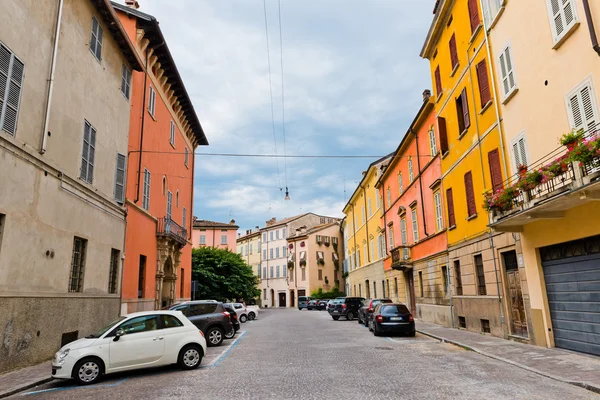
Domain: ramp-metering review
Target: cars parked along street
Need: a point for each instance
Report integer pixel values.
(234, 321)
(392, 318)
(252, 312)
(312, 305)
(347, 307)
(366, 311)
(303, 302)
(209, 316)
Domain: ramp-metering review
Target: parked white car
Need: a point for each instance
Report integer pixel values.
(240, 310)
(134, 341)
(252, 312)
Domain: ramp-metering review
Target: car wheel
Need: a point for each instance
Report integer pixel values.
(370, 328)
(251, 316)
(412, 334)
(349, 316)
(375, 331)
(214, 336)
(190, 357)
(88, 371)
(243, 318)
(230, 335)
(335, 318)
(359, 320)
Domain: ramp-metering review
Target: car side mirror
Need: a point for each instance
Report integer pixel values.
(118, 334)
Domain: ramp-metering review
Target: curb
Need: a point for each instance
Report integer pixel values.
(584, 385)
(10, 392)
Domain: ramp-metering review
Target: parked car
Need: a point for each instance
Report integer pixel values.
(332, 303)
(322, 304)
(365, 312)
(312, 304)
(252, 312)
(240, 310)
(138, 340)
(346, 307)
(392, 318)
(303, 302)
(234, 321)
(209, 316)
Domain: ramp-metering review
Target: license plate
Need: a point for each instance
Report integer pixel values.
(396, 319)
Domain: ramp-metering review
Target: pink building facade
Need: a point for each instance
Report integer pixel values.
(214, 234)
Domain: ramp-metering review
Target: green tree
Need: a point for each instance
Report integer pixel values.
(222, 275)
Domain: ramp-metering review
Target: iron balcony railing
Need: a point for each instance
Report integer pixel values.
(166, 227)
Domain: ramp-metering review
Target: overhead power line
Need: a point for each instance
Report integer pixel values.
(281, 155)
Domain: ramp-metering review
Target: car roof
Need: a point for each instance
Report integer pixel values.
(142, 313)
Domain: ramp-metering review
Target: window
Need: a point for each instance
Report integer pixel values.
(182, 285)
(458, 278)
(120, 179)
(491, 8)
(2, 222)
(507, 73)
(125, 81)
(139, 324)
(77, 265)
(357, 258)
(265, 294)
(164, 185)
(365, 253)
(113, 271)
(152, 101)
(396, 287)
(484, 83)
(283, 233)
(374, 289)
(421, 283)
(202, 239)
(443, 135)
(223, 239)
(471, 207)
(462, 322)
(96, 39)
(377, 200)
(438, 82)
(169, 321)
(184, 218)
(474, 15)
(391, 237)
(437, 200)
(383, 288)
(453, 53)
(250, 248)
(264, 272)
(563, 16)
(450, 204)
(303, 274)
(284, 251)
(277, 234)
(11, 80)
(264, 238)
(177, 198)
(582, 109)
(400, 183)
(415, 225)
(271, 253)
(432, 142)
(271, 272)
(284, 270)
(271, 234)
(277, 252)
(264, 254)
(411, 175)
(495, 169)
(172, 134)
(403, 233)
(370, 208)
(277, 272)
(481, 289)
(445, 279)
(372, 244)
(462, 112)
(519, 147)
(363, 214)
(485, 326)
(389, 196)
(88, 153)
(169, 205)
(258, 272)
(186, 157)
(320, 275)
(359, 289)
(146, 191)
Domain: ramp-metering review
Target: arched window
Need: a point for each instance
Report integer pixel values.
(164, 186)
(177, 198)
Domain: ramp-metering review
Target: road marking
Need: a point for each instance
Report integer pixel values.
(226, 351)
(117, 383)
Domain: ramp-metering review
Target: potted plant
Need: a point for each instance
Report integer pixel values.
(530, 180)
(303, 263)
(320, 261)
(302, 244)
(502, 200)
(335, 246)
(345, 275)
(584, 152)
(291, 246)
(327, 244)
(326, 281)
(290, 264)
(571, 139)
(336, 263)
(522, 168)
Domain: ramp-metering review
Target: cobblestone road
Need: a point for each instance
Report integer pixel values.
(291, 354)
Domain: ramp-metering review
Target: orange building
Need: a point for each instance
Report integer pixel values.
(416, 265)
(164, 132)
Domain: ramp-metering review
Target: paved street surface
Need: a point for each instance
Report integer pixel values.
(291, 354)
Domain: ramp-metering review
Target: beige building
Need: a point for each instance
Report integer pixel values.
(64, 125)
(548, 85)
(248, 246)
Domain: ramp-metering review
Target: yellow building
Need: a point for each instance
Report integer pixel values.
(473, 161)
(364, 238)
(248, 246)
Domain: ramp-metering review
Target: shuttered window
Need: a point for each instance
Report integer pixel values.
(507, 72)
(495, 170)
(438, 81)
(462, 111)
(443, 135)
(184, 223)
(125, 81)
(519, 149)
(172, 134)
(186, 157)
(146, 194)
(96, 38)
(563, 15)
(400, 183)
(453, 51)
(491, 8)
(415, 225)
(432, 142)
(474, 15)
(88, 154)
(120, 179)
(403, 233)
(11, 80)
(471, 207)
(450, 202)
(169, 205)
(152, 101)
(582, 109)
(484, 84)
(411, 174)
(437, 200)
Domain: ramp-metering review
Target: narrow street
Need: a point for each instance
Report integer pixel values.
(291, 354)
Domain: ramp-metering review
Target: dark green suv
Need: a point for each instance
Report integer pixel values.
(346, 307)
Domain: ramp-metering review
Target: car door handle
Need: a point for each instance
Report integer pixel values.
(158, 338)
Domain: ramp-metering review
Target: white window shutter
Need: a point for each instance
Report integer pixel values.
(11, 79)
(590, 114)
(563, 16)
(582, 108)
(487, 18)
(120, 179)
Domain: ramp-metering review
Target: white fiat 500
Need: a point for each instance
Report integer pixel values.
(138, 340)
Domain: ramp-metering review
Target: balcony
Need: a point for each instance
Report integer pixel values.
(564, 179)
(401, 258)
(167, 228)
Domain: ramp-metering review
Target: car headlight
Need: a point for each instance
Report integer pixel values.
(61, 356)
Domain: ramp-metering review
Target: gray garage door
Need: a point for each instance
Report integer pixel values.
(573, 287)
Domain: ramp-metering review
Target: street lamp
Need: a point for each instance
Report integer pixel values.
(287, 194)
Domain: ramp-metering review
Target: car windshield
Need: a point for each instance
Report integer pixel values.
(302, 298)
(102, 331)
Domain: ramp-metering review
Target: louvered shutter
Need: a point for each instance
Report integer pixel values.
(465, 107)
(487, 14)
(450, 201)
(120, 179)
(11, 79)
(453, 51)
(443, 135)
(563, 16)
(495, 169)
(484, 85)
(471, 208)
(473, 15)
(438, 81)
(583, 110)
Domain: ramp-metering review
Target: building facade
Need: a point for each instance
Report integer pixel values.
(219, 235)
(62, 215)
(555, 216)
(473, 161)
(248, 246)
(274, 286)
(164, 133)
(416, 265)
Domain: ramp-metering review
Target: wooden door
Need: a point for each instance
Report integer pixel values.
(411, 291)
(282, 300)
(518, 322)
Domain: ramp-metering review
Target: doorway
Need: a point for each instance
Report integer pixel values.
(272, 298)
(292, 298)
(518, 323)
(282, 299)
(168, 284)
(410, 283)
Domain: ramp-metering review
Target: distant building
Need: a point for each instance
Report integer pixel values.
(219, 235)
(248, 246)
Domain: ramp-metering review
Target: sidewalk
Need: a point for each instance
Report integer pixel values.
(562, 365)
(24, 378)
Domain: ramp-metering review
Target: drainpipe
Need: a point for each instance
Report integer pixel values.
(123, 263)
(354, 234)
(420, 182)
(469, 64)
(45, 132)
(191, 212)
(500, 306)
(590, 22)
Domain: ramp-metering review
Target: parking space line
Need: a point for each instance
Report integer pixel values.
(221, 356)
(74, 387)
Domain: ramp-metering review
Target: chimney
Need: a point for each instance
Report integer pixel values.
(132, 4)
(232, 222)
(364, 173)
(239, 235)
(426, 95)
(271, 221)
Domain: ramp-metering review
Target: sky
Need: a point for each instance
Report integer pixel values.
(352, 83)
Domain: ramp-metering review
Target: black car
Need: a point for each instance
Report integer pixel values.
(346, 307)
(365, 312)
(392, 318)
(234, 321)
(209, 316)
(312, 305)
(322, 304)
